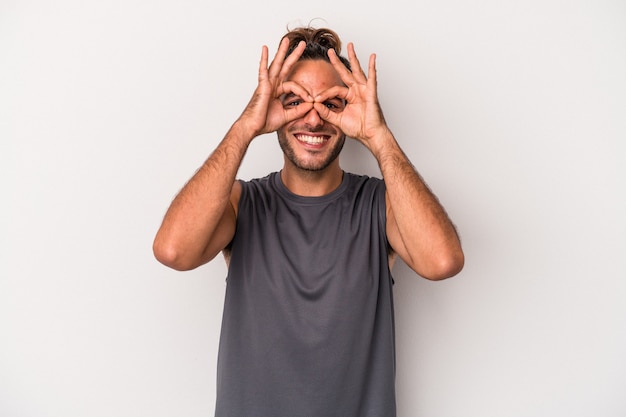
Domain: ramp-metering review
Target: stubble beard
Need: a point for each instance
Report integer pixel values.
(312, 166)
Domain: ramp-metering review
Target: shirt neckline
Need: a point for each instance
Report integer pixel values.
(307, 200)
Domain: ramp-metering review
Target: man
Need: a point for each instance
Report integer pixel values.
(308, 326)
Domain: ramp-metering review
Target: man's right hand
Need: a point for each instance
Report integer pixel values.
(265, 112)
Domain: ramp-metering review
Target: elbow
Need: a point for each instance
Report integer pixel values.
(170, 256)
(445, 266)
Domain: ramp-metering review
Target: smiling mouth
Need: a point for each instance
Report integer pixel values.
(312, 140)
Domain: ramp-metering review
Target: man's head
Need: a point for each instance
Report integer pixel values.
(310, 143)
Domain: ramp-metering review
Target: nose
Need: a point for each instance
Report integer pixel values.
(313, 119)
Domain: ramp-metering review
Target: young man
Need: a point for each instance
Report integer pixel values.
(308, 327)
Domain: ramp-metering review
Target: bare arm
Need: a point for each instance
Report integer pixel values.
(418, 228)
(201, 220)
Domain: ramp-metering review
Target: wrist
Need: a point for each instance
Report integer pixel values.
(382, 143)
(242, 131)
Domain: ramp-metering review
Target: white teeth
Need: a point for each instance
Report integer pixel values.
(313, 140)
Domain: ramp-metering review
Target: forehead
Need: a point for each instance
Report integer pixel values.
(315, 76)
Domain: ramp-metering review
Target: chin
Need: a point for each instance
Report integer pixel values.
(317, 163)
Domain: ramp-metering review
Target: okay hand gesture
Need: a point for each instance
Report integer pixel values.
(362, 117)
(265, 112)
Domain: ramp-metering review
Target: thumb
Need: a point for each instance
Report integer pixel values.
(326, 114)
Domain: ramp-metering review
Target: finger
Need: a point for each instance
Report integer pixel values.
(292, 60)
(292, 113)
(371, 72)
(279, 58)
(297, 112)
(344, 73)
(263, 64)
(337, 91)
(326, 114)
(292, 87)
(357, 71)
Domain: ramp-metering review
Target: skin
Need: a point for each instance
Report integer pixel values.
(313, 76)
(315, 163)
(312, 105)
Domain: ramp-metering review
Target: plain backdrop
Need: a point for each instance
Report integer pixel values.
(513, 111)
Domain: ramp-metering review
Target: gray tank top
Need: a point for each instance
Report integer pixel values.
(308, 323)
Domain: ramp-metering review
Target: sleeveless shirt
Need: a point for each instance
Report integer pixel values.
(308, 322)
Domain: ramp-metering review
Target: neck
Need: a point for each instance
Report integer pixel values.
(312, 183)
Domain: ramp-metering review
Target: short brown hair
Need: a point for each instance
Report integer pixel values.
(318, 42)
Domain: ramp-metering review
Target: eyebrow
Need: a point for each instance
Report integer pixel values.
(289, 96)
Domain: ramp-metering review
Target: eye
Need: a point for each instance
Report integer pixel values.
(291, 100)
(335, 105)
(292, 103)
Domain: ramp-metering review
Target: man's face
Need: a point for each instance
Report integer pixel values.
(310, 143)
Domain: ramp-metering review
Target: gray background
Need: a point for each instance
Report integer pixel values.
(512, 111)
